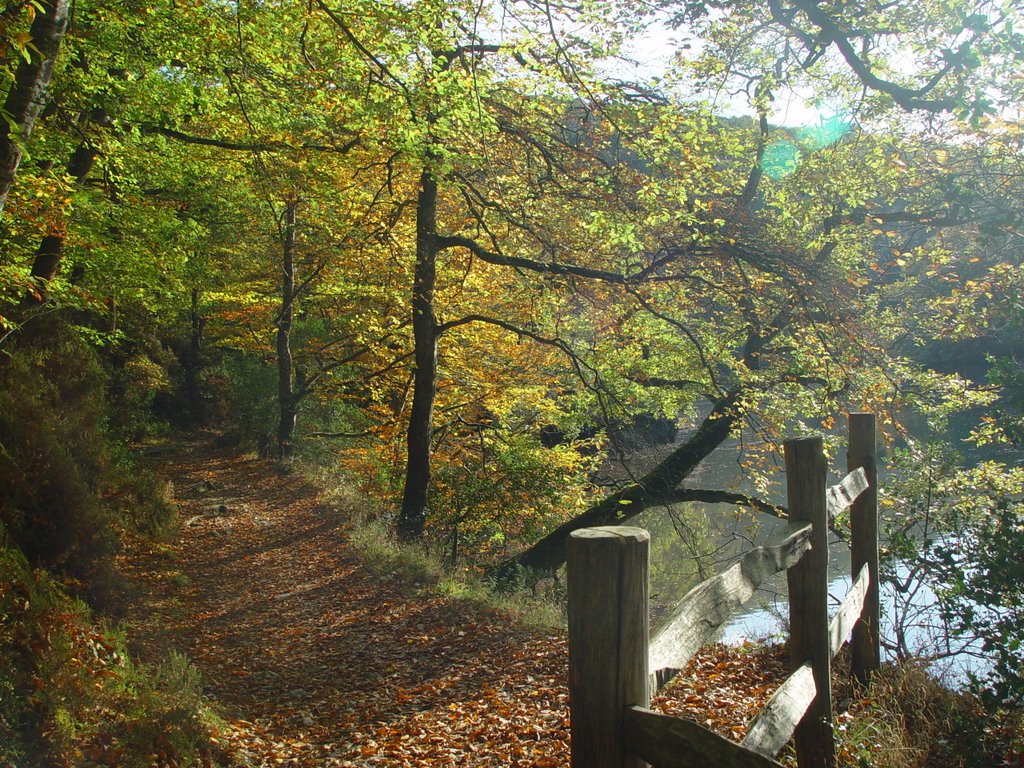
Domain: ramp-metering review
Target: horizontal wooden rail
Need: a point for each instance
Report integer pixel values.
(706, 607)
(839, 497)
(774, 724)
(710, 604)
(842, 623)
(671, 742)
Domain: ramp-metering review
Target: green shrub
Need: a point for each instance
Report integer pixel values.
(151, 714)
(64, 485)
(135, 383)
(961, 531)
(139, 500)
(245, 388)
(53, 457)
(493, 495)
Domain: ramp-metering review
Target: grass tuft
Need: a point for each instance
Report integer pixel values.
(908, 718)
(537, 603)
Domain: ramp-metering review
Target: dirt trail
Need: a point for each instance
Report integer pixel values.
(317, 662)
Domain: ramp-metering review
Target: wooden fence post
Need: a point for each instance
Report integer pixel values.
(608, 636)
(808, 599)
(863, 453)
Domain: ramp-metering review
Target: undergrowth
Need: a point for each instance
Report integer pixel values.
(66, 486)
(71, 695)
(908, 718)
(422, 567)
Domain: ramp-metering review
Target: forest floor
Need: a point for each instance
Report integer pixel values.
(312, 659)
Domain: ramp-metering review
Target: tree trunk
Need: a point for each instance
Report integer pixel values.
(653, 488)
(51, 248)
(27, 95)
(47, 258)
(192, 362)
(287, 397)
(413, 515)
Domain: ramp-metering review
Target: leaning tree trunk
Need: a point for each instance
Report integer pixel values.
(656, 487)
(413, 515)
(287, 397)
(27, 95)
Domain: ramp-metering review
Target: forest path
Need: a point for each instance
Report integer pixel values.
(315, 661)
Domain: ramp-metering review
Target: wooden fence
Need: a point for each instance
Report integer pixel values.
(614, 665)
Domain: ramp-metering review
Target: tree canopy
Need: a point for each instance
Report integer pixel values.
(452, 251)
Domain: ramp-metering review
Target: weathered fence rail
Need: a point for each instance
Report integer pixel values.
(614, 667)
(717, 599)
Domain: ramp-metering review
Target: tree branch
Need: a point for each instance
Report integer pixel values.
(709, 496)
(908, 98)
(550, 268)
(654, 488)
(335, 17)
(235, 146)
(336, 435)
